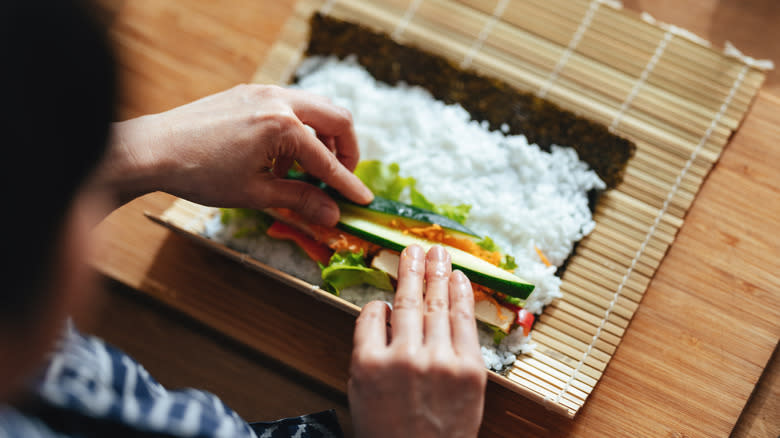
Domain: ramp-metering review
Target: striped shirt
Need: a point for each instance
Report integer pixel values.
(91, 389)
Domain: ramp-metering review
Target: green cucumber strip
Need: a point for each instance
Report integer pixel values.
(477, 270)
(385, 210)
(388, 207)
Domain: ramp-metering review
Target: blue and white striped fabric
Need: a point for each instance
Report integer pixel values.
(92, 389)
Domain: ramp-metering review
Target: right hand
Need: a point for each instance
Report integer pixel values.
(426, 378)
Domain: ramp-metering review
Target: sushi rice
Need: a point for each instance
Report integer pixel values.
(520, 196)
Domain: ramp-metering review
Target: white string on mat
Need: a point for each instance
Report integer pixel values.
(659, 50)
(498, 11)
(575, 41)
(721, 111)
(410, 11)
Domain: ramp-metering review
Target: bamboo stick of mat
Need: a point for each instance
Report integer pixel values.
(677, 99)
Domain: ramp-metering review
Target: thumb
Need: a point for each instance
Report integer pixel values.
(308, 201)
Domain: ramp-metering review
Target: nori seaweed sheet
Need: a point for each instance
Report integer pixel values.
(488, 99)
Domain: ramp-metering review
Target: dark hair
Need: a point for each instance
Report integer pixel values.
(58, 78)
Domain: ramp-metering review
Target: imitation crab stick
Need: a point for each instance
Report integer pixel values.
(333, 238)
(315, 250)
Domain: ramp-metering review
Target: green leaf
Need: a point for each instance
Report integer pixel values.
(498, 335)
(383, 179)
(509, 263)
(347, 269)
(458, 213)
(488, 245)
(515, 301)
(252, 222)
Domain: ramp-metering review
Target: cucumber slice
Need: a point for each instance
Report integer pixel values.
(382, 211)
(385, 210)
(477, 270)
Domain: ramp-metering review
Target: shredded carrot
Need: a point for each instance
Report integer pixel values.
(542, 256)
(436, 233)
(338, 240)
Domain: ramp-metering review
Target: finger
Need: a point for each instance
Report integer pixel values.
(406, 319)
(320, 162)
(328, 120)
(309, 201)
(465, 340)
(436, 322)
(371, 327)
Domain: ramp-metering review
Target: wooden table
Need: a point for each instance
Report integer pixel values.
(174, 51)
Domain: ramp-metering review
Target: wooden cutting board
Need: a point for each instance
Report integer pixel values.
(685, 368)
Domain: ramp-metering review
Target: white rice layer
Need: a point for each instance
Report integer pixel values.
(521, 196)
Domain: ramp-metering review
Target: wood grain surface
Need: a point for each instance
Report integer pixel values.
(686, 367)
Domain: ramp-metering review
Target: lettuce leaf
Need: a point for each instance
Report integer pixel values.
(509, 263)
(384, 180)
(253, 222)
(487, 244)
(458, 213)
(347, 269)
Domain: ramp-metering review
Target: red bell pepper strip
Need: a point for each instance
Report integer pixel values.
(315, 250)
(525, 319)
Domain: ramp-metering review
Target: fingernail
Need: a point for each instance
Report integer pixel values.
(438, 254)
(389, 305)
(459, 277)
(414, 252)
(366, 194)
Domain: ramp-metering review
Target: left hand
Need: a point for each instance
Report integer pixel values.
(233, 149)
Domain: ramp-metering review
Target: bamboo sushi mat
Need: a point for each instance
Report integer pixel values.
(665, 90)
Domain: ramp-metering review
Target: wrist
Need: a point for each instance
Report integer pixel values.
(129, 167)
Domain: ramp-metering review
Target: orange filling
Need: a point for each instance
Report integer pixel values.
(436, 233)
(542, 257)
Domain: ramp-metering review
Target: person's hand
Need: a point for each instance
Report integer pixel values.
(426, 377)
(233, 149)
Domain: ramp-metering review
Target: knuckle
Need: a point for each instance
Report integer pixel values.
(473, 376)
(405, 355)
(284, 120)
(344, 120)
(365, 360)
(462, 314)
(406, 302)
(436, 305)
(442, 362)
(371, 313)
(265, 91)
